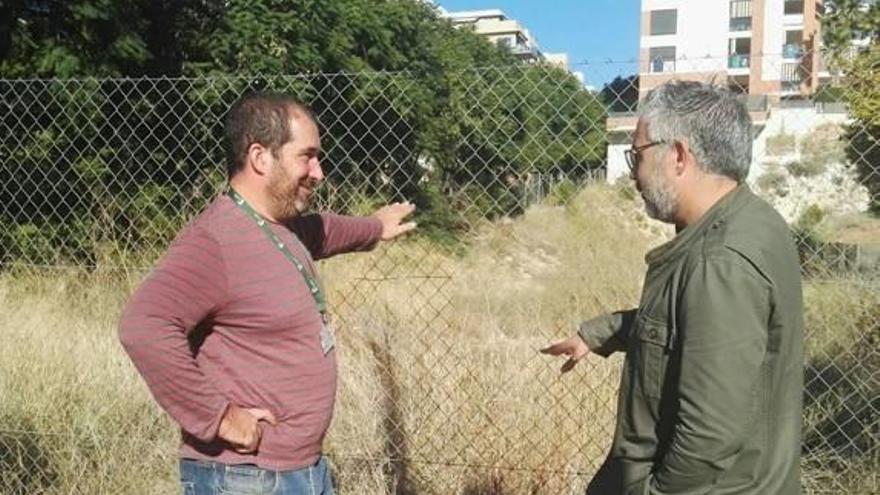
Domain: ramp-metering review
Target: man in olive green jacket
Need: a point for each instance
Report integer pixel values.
(710, 397)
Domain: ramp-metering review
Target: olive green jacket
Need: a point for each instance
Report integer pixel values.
(710, 397)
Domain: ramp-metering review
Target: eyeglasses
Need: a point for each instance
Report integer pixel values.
(632, 155)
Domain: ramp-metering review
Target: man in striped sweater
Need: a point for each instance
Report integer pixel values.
(231, 330)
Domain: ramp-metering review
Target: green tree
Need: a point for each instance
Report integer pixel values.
(101, 38)
(621, 94)
(411, 107)
(846, 21)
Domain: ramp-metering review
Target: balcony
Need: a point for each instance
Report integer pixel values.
(738, 61)
(740, 24)
(794, 14)
(526, 50)
(792, 51)
(793, 73)
(659, 65)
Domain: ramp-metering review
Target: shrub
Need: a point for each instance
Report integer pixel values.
(811, 218)
(781, 144)
(806, 168)
(822, 147)
(774, 181)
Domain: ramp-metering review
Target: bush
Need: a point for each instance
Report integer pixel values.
(773, 181)
(811, 218)
(781, 144)
(821, 147)
(829, 93)
(806, 168)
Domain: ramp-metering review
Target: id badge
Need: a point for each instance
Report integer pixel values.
(327, 341)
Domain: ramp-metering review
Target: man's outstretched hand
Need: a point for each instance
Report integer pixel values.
(392, 217)
(574, 348)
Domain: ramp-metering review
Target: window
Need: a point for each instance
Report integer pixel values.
(741, 15)
(664, 21)
(794, 7)
(793, 47)
(740, 46)
(740, 8)
(38, 6)
(662, 59)
(739, 50)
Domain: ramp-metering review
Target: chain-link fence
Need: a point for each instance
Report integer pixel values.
(527, 225)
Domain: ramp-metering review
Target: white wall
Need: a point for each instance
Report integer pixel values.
(774, 38)
(701, 38)
(837, 190)
(616, 166)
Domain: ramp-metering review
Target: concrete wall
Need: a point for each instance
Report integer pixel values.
(617, 166)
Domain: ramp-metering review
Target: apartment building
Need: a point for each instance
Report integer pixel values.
(494, 25)
(768, 49)
(497, 27)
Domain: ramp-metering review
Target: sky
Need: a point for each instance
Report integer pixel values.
(593, 31)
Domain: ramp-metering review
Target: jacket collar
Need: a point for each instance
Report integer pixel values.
(713, 218)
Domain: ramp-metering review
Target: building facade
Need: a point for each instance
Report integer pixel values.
(495, 26)
(764, 48)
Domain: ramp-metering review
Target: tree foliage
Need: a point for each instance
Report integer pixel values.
(851, 34)
(411, 108)
(622, 94)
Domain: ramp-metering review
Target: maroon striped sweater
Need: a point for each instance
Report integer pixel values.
(226, 318)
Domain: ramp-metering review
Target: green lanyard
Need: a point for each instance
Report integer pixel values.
(261, 222)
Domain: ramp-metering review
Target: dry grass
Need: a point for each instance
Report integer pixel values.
(823, 146)
(781, 144)
(74, 418)
(854, 229)
(439, 353)
(842, 413)
(438, 364)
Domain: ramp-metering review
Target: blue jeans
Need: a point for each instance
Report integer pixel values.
(213, 478)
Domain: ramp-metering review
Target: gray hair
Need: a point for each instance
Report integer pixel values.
(715, 123)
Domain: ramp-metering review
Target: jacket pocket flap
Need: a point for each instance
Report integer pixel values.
(652, 332)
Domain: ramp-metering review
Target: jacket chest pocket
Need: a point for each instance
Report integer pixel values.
(650, 346)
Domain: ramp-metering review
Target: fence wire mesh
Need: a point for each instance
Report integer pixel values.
(528, 224)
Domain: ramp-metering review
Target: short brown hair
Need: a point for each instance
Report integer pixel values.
(262, 118)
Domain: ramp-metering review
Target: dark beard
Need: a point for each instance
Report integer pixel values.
(283, 192)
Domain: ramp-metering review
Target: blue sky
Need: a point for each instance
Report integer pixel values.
(588, 30)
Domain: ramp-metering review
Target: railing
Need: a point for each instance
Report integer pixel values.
(740, 23)
(796, 102)
(792, 50)
(659, 65)
(830, 107)
(738, 61)
(792, 72)
(524, 49)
